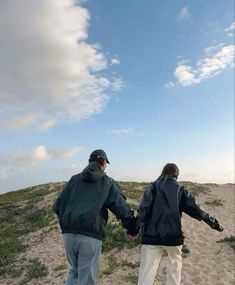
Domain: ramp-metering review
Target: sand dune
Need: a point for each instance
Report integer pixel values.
(207, 263)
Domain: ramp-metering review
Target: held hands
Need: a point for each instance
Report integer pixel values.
(130, 237)
(133, 230)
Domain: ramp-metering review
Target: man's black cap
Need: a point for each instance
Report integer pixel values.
(99, 153)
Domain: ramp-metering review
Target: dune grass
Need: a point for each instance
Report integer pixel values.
(18, 219)
(133, 190)
(195, 188)
(30, 193)
(215, 202)
(230, 240)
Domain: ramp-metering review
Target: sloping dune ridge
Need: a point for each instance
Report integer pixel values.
(31, 248)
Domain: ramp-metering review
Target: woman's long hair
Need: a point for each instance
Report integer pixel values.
(170, 169)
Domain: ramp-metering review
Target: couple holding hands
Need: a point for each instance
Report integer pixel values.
(82, 208)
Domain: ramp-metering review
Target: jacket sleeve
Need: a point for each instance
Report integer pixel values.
(189, 206)
(116, 203)
(58, 201)
(145, 205)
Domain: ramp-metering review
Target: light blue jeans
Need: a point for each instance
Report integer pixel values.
(83, 254)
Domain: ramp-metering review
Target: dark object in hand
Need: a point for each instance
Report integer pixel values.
(214, 224)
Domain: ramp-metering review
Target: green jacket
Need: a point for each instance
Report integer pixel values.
(82, 206)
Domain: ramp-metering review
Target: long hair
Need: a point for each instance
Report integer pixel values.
(170, 169)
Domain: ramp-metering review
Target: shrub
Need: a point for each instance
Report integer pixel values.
(230, 240)
(36, 269)
(9, 249)
(215, 202)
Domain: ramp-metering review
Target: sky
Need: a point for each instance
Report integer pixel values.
(150, 82)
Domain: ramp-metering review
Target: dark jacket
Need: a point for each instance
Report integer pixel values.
(160, 212)
(82, 206)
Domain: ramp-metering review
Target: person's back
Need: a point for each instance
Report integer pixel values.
(159, 216)
(82, 208)
(163, 225)
(83, 202)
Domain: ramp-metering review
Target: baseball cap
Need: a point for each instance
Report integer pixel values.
(99, 153)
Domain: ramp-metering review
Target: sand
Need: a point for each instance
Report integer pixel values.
(208, 262)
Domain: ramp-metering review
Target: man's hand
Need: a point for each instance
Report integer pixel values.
(130, 237)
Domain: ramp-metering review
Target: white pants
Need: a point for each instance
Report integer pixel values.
(149, 261)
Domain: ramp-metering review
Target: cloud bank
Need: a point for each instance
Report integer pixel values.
(216, 59)
(205, 68)
(19, 161)
(230, 30)
(48, 69)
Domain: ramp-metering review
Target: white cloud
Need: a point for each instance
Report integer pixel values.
(125, 131)
(114, 61)
(169, 84)
(184, 14)
(231, 28)
(185, 75)
(212, 49)
(206, 67)
(49, 71)
(117, 84)
(39, 153)
(19, 161)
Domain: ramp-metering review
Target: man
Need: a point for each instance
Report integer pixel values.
(82, 208)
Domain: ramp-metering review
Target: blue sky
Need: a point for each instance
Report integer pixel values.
(150, 82)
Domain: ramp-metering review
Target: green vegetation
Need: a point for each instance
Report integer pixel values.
(38, 219)
(30, 193)
(133, 190)
(185, 250)
(36, 269)
(116, 238)
(195, 188)
(19, 218)
(230, 240)
(108, 270)
(131, 277)
(8, 250)
(11, 271)
(60, 267)
(11, 231)
(215, 202)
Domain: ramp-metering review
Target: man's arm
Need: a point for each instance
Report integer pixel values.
(58, 201)
(116, 203)
(189, 205)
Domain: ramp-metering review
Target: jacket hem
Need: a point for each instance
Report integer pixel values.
(162, 241)
(81, 232)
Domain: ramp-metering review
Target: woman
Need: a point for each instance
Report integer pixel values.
(159, 216)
